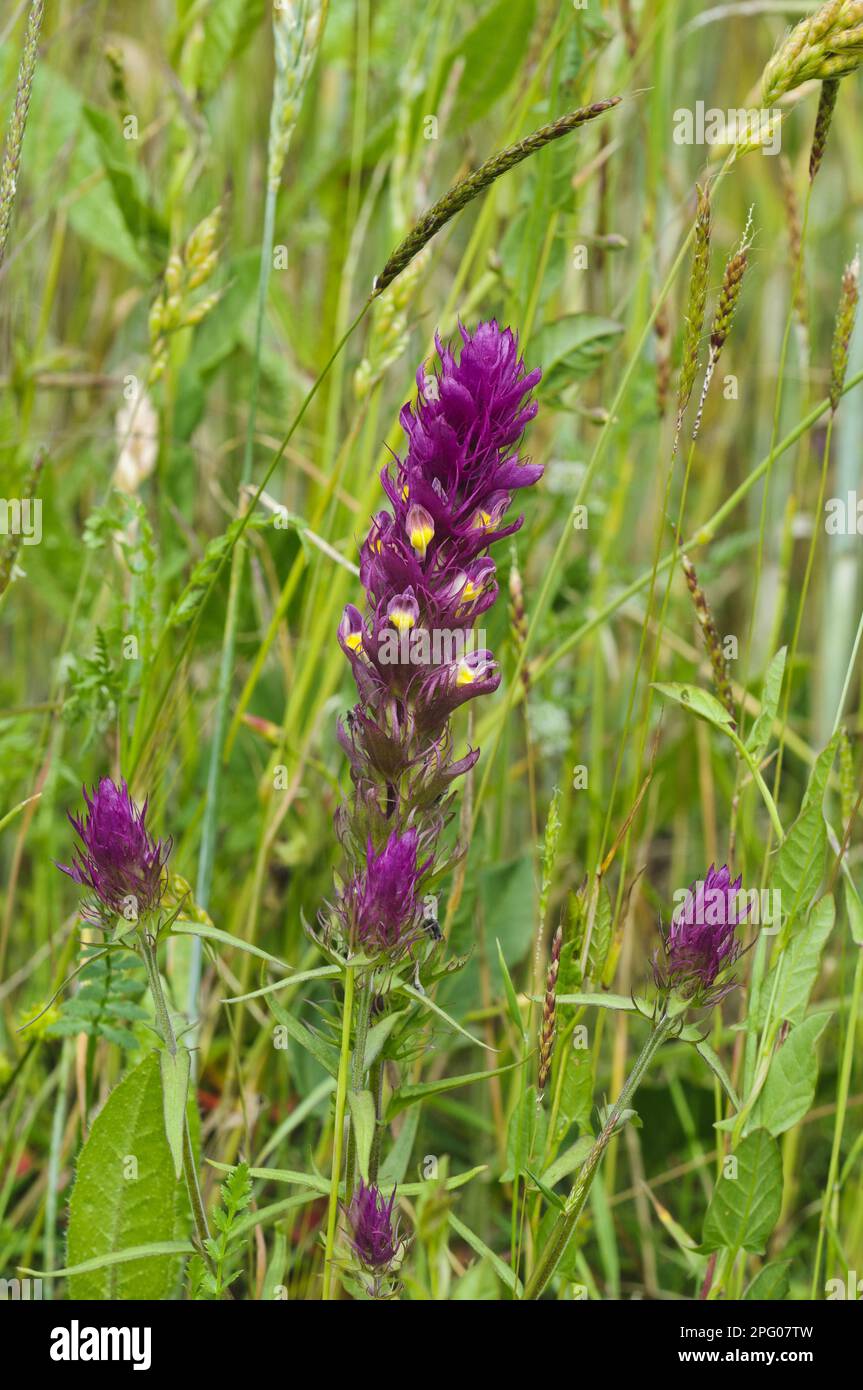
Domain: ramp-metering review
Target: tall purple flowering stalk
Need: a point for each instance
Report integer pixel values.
(417, 657)
(428, 577)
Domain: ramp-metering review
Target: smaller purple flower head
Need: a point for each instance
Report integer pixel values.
(701, 945)
(382, 905)
(374, 1230)
(118, 859)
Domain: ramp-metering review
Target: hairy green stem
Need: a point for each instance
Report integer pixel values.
(339, 1131)
(566, 1222)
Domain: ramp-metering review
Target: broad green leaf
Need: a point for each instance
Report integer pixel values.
(175, 1069)
(699, 702)
(759, 734)
(799, 864)
(525, 1134)
(797, 968)
(771, 1284)
(362, 1106)
(126, 1196)
(744, 1209)
(572, 347)
(790, 1086)
(421, 1090)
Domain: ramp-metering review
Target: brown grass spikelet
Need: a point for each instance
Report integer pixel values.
(549, 1012)
(710, 635)
(823, 119)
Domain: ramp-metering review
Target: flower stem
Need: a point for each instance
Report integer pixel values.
(563, 1228)
(338, 1131)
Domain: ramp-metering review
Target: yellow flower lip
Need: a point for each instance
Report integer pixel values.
(401, 618)
(354, 640)
(420, 529)
(466, 674)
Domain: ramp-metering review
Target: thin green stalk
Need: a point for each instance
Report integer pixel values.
(339, 1131)
(848, 1051)
(566, 1222)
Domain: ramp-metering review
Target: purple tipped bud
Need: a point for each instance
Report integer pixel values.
(701, 944)
(374, 1230)
(119, 861)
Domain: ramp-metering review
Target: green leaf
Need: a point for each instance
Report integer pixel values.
(135, 1252)
(323, 1052)
(525, 1134)
(223, 938)
(572, 347)
(759, 734)
(362, 1106)
(600, 1001)
(568, 1161)
(509, 990)
(771, 1284)
(790, 1086)
(706, 1052)
(699, 702)
(799, 864)
(228, 27)
(798, 967)
(175, 1069)
(744, 1209)
(395, 1165)
(502, 1270)
(428, 1003)
(421, 1090)
(126, 1196)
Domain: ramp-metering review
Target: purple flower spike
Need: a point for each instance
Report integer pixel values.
(375, 1234)
(118, 860)
(701, 945)
(416, 651)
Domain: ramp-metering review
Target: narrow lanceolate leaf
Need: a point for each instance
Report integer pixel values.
(363, 1118)
(747, 1198)
(790, 1086)
(175, 1069)
(223, 938)
(126, 1196)
(421, 1090)
(759, 734)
